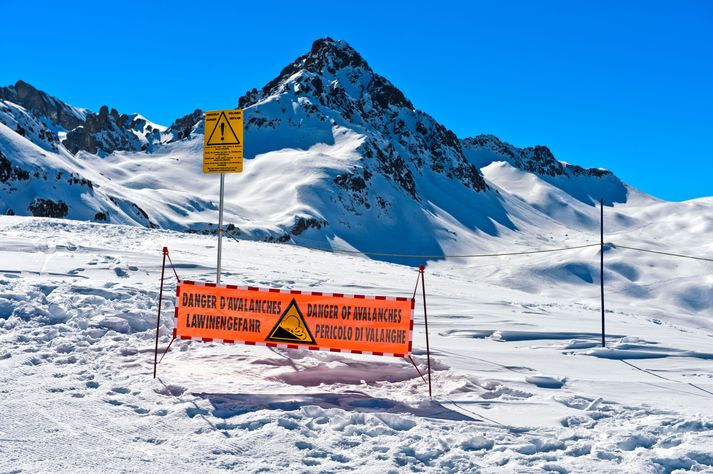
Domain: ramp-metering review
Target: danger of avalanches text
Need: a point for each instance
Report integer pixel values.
(314, 311)
(357, 313)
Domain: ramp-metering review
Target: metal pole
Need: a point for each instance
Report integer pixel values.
(601, 265)
(158, 317)
(220, 227)
(425, 321)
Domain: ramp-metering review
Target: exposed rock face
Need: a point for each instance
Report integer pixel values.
(48, 208)
(109, 131)
(44, 105)
(38, 129)
(538, 159)
(588, 185)
(183, 127)
(41, 118)
(8, 172)
(334, 85)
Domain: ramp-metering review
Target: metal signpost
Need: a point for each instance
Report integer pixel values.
(222, 153)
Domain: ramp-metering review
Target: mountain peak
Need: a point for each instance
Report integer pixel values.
(332, 55)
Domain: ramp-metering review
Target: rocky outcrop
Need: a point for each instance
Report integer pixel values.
(43, 105)
(40, 117)
(8, 172)
(48, 208)
(109, 131)
(334, 85)
(183, 127)
(538, 159)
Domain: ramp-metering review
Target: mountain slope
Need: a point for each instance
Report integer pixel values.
(337, 157)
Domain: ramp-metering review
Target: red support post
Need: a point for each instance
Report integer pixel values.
(425, 320)
(158, 317)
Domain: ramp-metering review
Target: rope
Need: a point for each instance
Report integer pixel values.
(412, 255)
(418, 279)
(478, 255)
(167, 348)
(172, 267)
(665, 253)
(646, 371)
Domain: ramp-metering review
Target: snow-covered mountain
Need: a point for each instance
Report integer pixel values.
(337, 157)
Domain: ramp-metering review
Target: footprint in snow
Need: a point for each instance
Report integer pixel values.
(545, 382)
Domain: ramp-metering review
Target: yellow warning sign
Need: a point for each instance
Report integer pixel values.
(223, 141)
(291, 327)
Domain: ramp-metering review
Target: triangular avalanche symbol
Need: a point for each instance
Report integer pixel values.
(291, 327)
(223, 133)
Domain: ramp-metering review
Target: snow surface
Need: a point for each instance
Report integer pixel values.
(520, 382)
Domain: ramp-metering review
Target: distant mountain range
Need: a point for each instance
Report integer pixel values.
(337, 156)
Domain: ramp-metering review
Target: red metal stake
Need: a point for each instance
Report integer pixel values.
(158, 317)
(425, 320)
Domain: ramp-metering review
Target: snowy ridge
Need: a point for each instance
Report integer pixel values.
(333, 148)
(337, 158)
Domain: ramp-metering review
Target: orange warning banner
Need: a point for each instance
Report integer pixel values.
(378, 325)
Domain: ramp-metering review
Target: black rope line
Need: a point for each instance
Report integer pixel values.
(172, 267)
(412, 255)
(478, 255)
(670, 254)
(647, 371)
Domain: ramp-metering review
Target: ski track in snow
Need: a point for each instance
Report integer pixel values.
(520, 382)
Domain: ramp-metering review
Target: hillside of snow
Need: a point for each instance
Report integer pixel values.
(337, 157)
(520, 382)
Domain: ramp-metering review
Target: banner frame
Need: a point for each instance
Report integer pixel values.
(296, 292)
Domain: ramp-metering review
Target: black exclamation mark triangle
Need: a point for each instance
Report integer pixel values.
(226, 135)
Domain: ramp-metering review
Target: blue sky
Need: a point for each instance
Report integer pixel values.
(623, 85)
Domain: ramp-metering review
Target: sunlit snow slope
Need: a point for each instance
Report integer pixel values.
(337, 157)
(520, 382)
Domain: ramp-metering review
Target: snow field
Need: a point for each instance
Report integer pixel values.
(520, 383)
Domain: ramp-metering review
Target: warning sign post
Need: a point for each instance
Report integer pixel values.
(222, 153)
(223, 141)
(359, 324)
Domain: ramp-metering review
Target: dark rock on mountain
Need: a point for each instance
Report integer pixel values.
(584, 184)
(484, 149)
(183, 127)
(334, 85)
(43, 105)
(8, 172)
(48, 208)
(109, 131)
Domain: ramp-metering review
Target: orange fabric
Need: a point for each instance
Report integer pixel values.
(251, 315)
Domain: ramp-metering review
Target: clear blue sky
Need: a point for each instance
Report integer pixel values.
(622, 85)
